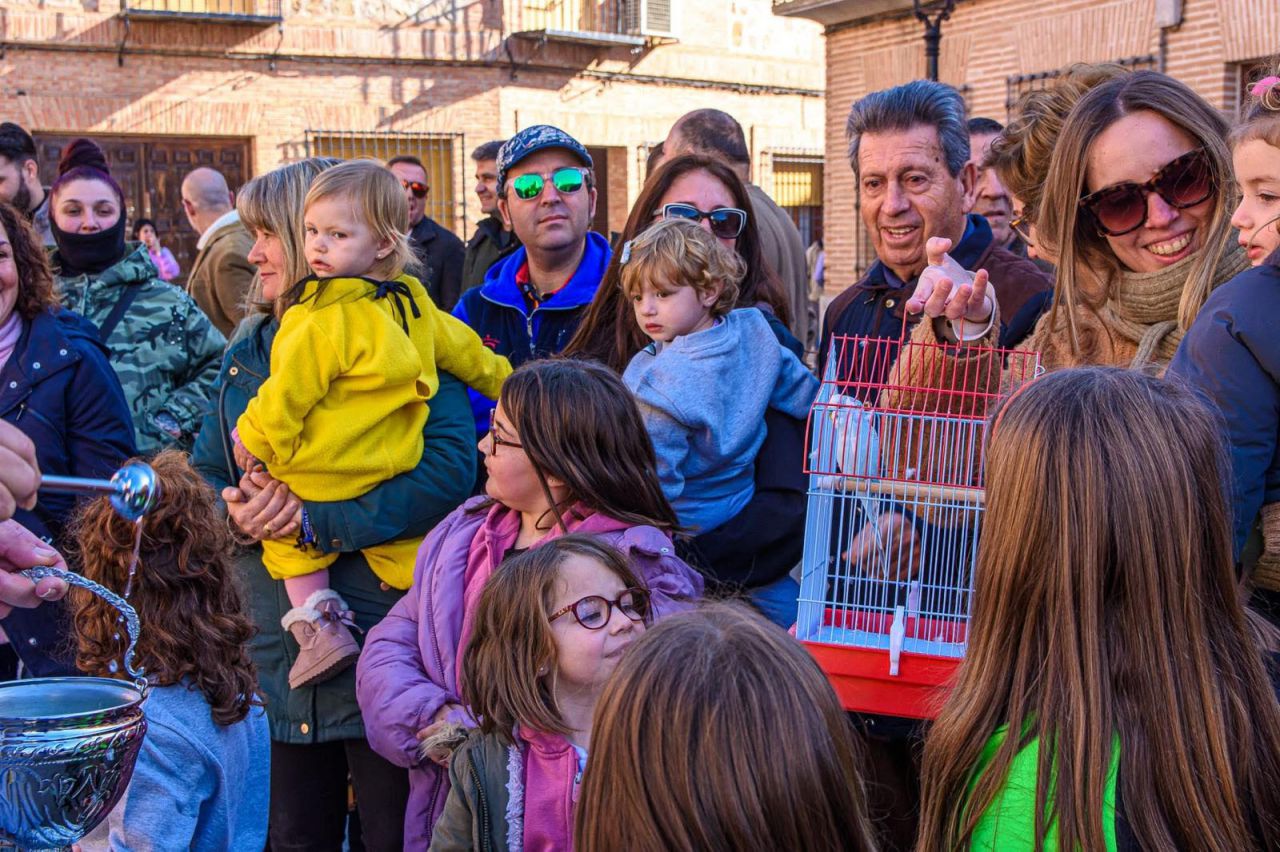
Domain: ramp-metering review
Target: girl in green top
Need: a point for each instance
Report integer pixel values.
(1107, 629)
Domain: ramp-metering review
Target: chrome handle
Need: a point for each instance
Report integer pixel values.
(131, 622)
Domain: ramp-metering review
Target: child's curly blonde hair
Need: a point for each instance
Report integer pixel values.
(679, 253)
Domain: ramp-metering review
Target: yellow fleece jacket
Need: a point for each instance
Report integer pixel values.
(345, 404)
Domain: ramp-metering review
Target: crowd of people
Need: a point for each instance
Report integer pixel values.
(493, 545)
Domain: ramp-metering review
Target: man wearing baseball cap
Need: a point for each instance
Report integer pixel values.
(530, 302)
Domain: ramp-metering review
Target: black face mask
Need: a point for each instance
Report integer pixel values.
(89, 254)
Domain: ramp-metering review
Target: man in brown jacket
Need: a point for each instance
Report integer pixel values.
(221, 274)
(718, 134)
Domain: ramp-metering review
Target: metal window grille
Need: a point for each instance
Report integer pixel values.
(643, 151)
(797, 188)
(566, 16)
(1019, 84)
(1248, 73)
(266, 11)
(440, 153)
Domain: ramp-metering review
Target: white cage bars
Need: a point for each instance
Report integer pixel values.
(897, 437)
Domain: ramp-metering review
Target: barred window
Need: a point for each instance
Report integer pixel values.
(1018, 85)
(797, 188)
(440, 153)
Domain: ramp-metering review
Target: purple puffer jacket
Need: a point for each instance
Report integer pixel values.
(408, 668)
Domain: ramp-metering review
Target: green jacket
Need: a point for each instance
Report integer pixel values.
(164, 350)
(475, 815)
(1009, 824)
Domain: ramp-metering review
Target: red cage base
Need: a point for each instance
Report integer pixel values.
(862, 681)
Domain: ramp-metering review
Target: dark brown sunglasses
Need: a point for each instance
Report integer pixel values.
(1183, 182)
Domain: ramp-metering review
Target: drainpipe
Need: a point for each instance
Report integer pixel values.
(1168, 17)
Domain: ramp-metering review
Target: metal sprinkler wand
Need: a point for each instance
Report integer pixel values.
(134, 488)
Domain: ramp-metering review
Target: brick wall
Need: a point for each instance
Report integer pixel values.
(364, 66)
(987, 41)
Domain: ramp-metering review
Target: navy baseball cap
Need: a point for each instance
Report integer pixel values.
(533, 139)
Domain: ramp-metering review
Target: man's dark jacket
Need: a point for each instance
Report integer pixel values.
(441, 254)
(874, 306)
(490, 243)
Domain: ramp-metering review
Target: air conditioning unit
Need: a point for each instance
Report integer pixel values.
(648, 17)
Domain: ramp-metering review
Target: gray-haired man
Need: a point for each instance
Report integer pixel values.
(909, 149)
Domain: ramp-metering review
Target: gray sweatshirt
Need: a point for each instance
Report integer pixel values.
(197, 785)
(703, 397)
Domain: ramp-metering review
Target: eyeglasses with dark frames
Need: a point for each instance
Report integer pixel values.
(1021, 225)
(496, 440)
(594, 611)
(1182, 182)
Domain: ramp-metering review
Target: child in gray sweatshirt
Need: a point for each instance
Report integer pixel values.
(705, 382)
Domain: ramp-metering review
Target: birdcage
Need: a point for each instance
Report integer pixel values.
(895, 450)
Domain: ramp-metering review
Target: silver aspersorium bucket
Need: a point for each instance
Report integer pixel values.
(68, 744)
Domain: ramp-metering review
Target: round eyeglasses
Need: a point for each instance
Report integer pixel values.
(593, 612)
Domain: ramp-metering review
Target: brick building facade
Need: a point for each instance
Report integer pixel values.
(992, 50)
(245, 85)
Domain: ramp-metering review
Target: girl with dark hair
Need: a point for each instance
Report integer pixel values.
(144, 231)
(201, 780)
(566, 452)
(59, 389)
(163, 347)
(1115, 693)
(550, 628)
(756, 548)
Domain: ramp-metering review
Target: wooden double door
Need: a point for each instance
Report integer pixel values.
(150, 170)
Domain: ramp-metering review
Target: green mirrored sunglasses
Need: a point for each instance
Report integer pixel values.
(567, 180)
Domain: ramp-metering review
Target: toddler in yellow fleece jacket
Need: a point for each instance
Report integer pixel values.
(352, 368)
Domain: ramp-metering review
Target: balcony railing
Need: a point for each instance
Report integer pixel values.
(230, 11)
(568, 16)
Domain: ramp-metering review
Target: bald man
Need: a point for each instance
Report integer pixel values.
(221, 274)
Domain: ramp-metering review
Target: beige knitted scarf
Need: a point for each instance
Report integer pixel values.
(1144, 305)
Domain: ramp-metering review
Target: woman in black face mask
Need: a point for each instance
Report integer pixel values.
(163, 347)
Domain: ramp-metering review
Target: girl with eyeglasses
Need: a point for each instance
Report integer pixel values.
(550, 627)
(566, 453)
(1232, 351)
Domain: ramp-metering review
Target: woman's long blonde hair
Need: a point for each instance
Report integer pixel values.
(273, 203)
(1106, 607)
(1068, 236)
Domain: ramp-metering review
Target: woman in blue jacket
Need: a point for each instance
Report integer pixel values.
(317, 732)
(58, 387)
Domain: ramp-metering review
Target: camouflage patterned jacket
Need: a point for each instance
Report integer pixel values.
(164, 350)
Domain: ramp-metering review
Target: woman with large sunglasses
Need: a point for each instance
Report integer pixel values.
(566, 452)
(1135, 215)
(756, 549)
